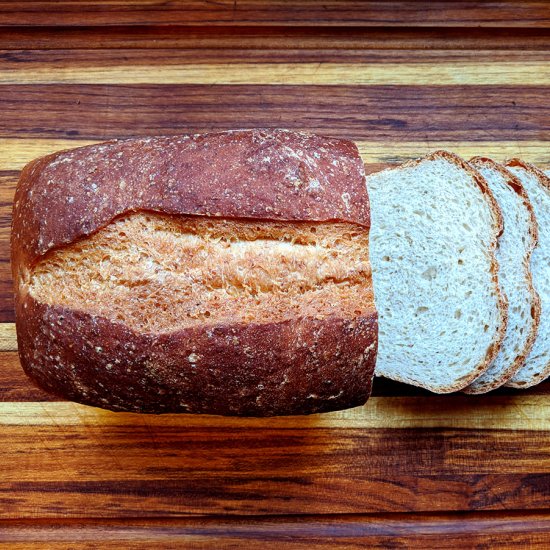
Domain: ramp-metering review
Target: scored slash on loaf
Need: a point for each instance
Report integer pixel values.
(230, 273)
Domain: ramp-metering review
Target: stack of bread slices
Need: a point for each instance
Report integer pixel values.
(460, 253)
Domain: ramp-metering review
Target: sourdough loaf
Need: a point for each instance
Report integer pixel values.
(225, 273)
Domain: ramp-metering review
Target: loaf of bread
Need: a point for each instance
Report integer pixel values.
(225, 274)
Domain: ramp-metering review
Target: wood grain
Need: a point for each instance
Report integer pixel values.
(480, 530)
(377, 113)
(272, 40)
(517, 411)
(259, 12)
(263, 58)
(138, 468)
(268, 495)
(409, 469)
(506, 73)
(8, 339)
(269, 62)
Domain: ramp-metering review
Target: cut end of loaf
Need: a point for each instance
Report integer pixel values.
(160, 273)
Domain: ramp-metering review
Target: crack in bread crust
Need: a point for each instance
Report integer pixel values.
(158, 273)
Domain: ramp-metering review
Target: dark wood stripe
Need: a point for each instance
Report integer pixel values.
(458, 13)
(14, 384)
(214, 493)
(7, 314)
(8, 182)
(404, 113)
(66, 59)
(505, 529)
(388, 388)
(276, 38)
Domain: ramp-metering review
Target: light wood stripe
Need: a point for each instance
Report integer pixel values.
(333, 74)
(15, 153)
(517, 412)
(8, 338)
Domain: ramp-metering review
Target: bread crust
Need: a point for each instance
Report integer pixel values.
(258, 174)
(297, 366)
(544, 180)
(514, 183)
(498, 226)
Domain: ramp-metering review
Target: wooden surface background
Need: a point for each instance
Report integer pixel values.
(401, 78)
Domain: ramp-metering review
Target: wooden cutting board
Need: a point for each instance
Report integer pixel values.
(400, 78)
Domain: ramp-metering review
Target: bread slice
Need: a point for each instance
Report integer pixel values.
(434, 233)
(537, 184)
(513, 255)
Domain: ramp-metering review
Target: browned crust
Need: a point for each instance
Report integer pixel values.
(498, 224)
(515, 184)
(544, 180)
(299, 366)
(535, 170)
(262, 174)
